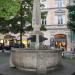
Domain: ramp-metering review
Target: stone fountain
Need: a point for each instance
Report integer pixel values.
(36, 58)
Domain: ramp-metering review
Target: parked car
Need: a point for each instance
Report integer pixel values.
(16, 45)
(7, 47)
(1, 47)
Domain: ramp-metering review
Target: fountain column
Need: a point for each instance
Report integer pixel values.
(36, 22)
(36, 19)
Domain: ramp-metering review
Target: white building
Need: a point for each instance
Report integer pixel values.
(56, 23)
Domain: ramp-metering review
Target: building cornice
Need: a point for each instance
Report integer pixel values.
(53, 8)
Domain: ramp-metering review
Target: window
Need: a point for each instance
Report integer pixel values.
(60, 20)
(59, 3)
(44, 22)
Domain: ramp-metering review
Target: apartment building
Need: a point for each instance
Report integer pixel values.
(56, 23)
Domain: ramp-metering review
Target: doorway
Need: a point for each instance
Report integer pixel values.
(60, 41)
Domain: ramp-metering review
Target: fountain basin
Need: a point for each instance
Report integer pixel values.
(35, 60)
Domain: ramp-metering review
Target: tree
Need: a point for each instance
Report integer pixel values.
(71, 17)
(9, 8)
(12, 11)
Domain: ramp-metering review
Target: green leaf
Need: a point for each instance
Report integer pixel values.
(9, 8)
(71, 17)
(43, 28)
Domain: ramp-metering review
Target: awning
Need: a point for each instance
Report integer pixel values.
(24, 37)
(9, 37)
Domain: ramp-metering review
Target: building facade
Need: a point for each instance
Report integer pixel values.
(56, 23)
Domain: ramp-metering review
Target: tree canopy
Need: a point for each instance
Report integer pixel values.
(71, 17)
(9, 8)
(12, 11)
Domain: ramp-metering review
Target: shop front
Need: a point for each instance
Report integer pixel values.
(9, 40)
(60, 41)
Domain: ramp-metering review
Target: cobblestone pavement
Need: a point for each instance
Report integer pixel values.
(67, 69)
